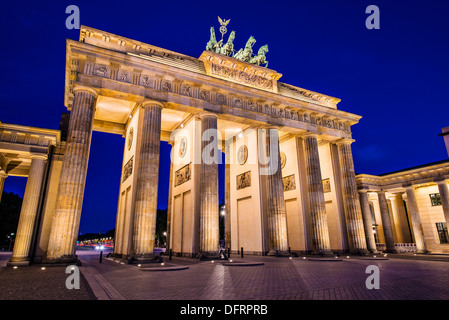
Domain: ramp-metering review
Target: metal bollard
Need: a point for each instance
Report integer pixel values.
(169, 254)
(229, 252)
(241, 252)
(101, 256)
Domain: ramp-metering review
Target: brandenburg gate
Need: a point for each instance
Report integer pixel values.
(289, 173)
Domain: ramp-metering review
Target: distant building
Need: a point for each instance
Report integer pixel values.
(409, 207)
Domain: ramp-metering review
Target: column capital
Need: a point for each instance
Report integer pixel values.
(147, 103)
(440, 180)
(409, 186)
(310, 135)
(80, 88)
(205, 114)
(344, 141)
(39, 156)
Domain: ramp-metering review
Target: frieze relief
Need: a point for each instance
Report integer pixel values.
(182, 175)
(241, 76)
(101, 70)
(326, 185)
(244, 180)
(128, 169)
(289, 183)
(237, 103)
(167, 86)
(186, 90)
(221, 98)
(146, 81)
(204, 95)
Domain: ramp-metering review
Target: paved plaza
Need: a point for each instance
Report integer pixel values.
(402, 277)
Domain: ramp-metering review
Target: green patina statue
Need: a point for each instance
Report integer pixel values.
(260, 58)
(228, 48)
(244, 54)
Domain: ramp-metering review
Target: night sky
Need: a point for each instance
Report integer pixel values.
(395, 77)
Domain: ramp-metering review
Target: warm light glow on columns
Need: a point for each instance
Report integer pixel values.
(444, 195)
(227, 195)
(145, 208)
(3, 176)
(418, 232)
(209, 228)
(170, 204)
(276, 214)
(69, 201)
(367, 221)
(320, 230)
(29, 209)
(386, 222)
(354, 219)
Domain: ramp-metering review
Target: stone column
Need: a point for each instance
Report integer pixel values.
(444, 195)
(3, 176)
(69, 201)
(28, 213)
(354, 219)
(227, 192)
(418, 232)
(367, 221)
(209, 223)
(170, 204)
(276, 214)
(320, 230)
(145, 207)
(386, 222)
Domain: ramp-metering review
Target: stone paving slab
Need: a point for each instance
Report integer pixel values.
(277, 279)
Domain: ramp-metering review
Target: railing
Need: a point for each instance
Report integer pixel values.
(400, 247)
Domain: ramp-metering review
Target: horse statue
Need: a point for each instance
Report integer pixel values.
(211, 45)
(260, 58)
(245, 54)
(228, 48)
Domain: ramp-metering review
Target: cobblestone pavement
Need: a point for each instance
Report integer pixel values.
(33, 283)
(277, 279)
(402, 277)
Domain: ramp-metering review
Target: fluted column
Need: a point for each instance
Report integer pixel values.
(69, 201)
(209, 223)
(418, 232)
(444, 195)
(276, 213)
(170, 203)
(367, 221)
(227, 197)
(320, 230)
(354, 218)
(145, 209)
(28, 213)
(386, 222)
(3, 176)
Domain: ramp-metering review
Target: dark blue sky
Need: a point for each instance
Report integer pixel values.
(395, 77)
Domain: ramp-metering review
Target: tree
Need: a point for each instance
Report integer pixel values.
(10, 207)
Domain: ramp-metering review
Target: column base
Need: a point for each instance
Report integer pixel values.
(206, 256)
(146, 258)
(62, 260)
(362, 252)
(422, 251)
(278, 253)
(322, 252)
(391, 251)
(18, 262)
